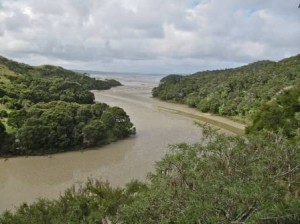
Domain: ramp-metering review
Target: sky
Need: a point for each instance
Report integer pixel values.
(148, 36)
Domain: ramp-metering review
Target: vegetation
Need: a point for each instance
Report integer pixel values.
(2, 132)
(48, 109)
(281, 114)
(60, 126)
(222, 179)
(10, 67)
(228, 180)
(232, 92)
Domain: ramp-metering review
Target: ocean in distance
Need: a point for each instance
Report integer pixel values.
(128, 79)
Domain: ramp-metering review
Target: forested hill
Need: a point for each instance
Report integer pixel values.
(9, 67)
(232, 92)
(47, 109)
(221, 179)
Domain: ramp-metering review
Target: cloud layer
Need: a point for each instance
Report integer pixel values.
(167, 36)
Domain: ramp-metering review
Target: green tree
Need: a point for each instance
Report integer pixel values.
(280, 114)
(228, 179)
(3, 114)
(2, 131)
(95, 133)
(17, 118)
(232, 92)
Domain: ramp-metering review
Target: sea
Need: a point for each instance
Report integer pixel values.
(129, 79)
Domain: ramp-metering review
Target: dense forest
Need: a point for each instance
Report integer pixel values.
(280, 115)
(238, 92)
(221, 179)
(227, 180)
(48, 109)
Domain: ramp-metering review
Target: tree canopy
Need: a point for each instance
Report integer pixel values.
(220, 179)
(229, 179)
(232, 92)
(48, 109)
(281, 114)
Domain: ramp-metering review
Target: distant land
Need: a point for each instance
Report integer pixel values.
(90, 72)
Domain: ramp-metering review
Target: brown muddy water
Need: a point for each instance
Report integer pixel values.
(158, 124)
(24, 179)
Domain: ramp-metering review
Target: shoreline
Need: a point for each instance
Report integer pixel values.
(175, 108)
(215, 120)
(118, 162)
(211, 119)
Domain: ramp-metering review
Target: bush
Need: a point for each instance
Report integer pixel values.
(3, 114)
(228, 179)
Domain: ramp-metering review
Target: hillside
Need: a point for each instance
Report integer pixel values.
(221, 179)
(228, 179)
(48, 109)
(9, 67)
(238, 92)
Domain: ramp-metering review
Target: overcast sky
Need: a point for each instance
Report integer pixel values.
(153, 36)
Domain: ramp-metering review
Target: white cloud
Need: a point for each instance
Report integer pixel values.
(148, 35)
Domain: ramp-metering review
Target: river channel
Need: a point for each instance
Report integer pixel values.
(24, 179)
(158, 124)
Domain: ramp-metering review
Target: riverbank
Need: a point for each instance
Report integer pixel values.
(180, 109)
(217, 121)
(24, 179)
(158, 123)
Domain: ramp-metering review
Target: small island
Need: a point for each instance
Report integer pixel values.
(48, 109)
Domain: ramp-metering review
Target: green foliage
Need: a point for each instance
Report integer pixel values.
(5, 139)
(52, 72)
(60, 126)
(17, 118)
(95, 202)
(281, 114)
(2, 130)
(232, 92)
(2, 92)
(94, 132)
(228, 179)
(52, 110)
(47, 83)
(122, 127)
(3, 114)
(45, 90)
(223, 179)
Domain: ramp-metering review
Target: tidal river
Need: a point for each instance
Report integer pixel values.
(158, 124)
